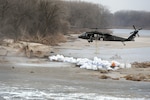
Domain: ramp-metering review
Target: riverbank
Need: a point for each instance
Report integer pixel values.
(11, 55)
(23, 77)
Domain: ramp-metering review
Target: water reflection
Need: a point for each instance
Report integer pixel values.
(124, 55)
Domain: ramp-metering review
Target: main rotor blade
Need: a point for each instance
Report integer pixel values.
(95, 28)
(140, 29)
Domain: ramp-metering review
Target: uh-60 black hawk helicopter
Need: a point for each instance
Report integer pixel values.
(95, 35)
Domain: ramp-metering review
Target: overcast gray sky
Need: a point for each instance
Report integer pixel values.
(116, 5)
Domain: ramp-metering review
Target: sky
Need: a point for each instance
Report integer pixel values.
(117, 5)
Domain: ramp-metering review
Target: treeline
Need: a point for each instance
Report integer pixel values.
(31, 18)
(125, 19)
(44, 18)
(41, 20)
(87, 15)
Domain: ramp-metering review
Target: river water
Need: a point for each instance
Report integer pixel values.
(122, 54)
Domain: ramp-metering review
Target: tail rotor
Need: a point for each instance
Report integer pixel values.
(136, 31)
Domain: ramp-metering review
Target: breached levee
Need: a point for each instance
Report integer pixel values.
(95, 64)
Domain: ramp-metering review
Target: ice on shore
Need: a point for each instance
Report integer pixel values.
(95, 64)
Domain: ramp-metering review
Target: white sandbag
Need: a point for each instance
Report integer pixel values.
(128, 66)
(95, 64)
(69, 60)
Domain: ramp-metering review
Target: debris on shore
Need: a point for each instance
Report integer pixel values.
(138, 77)
(141, 65)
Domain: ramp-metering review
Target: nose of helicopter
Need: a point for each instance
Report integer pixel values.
(80, 36)
(83, 35)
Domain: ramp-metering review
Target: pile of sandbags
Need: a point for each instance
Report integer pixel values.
(95, 64)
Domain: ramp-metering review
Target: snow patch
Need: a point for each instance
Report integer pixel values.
(69, 93)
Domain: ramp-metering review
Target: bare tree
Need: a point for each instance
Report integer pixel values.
(83, 14)
(4, 5)
(49, 12)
